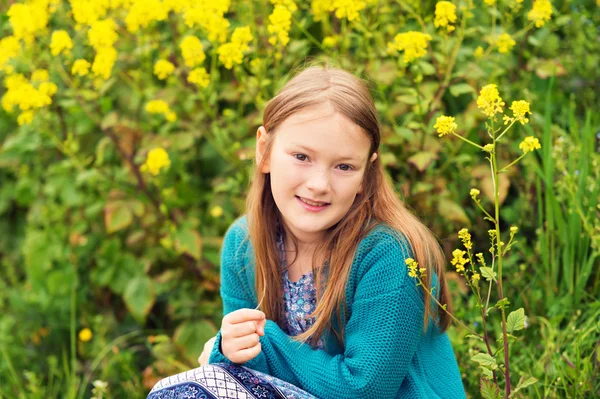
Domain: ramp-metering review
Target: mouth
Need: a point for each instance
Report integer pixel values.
(312, 202)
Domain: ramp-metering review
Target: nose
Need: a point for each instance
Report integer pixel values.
(318, 182)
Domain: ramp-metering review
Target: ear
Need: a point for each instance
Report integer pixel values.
(373, 158)
(261, 146)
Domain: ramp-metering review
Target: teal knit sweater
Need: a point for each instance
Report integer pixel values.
(386, 355)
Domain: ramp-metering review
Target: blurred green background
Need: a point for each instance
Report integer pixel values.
(126, 141)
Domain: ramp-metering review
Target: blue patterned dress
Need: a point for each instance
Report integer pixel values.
(234, 381)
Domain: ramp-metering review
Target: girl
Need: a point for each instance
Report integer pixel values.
(316, 293)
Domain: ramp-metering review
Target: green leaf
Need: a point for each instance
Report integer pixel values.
(453, 212)
(139, 297)
(422, 159)
(502, 303)
(523, 383)
(489, 390)
(461, 88)
(188, 241)
(474, 336)
(117, 216)
(485, 360)
(516, 320)
(488, 273)
(191, 337)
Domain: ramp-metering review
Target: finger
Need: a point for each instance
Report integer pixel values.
(242, 315)
(245, 355)
(260, 327)
(239, 330)
(246, 342)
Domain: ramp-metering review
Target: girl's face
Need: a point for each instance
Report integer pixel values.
(318, 156)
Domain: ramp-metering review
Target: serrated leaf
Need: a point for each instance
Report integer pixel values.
(422, 159)
(488, 273)
(489, 390)
(485, 360)
(502, 303)
(515, 320)
(461, 88)
(523, 383)
(139, 297)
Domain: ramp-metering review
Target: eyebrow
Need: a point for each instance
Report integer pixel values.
(341, 158)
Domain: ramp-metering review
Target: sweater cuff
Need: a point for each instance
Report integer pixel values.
(215, 355)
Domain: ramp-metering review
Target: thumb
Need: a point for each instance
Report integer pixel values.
(260, 327)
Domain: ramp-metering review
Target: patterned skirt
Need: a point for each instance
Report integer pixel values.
(228, 381)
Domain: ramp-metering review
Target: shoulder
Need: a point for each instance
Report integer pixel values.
(237, 237)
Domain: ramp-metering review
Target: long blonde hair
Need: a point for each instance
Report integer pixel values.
(348, 95)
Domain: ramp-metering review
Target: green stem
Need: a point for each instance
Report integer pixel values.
(505, 130)
(308, 35)
(504, 169)
(468, 141)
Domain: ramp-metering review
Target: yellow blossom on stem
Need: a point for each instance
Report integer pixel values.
(280, 22)
(28, 20)
(143, 12)
(330, 41)
(520, 110)
(102, 34)
(161, 107)
(348, 9)
(60, 42)
(488, 148)
(156, 160)
(489, 2)
(445, 15)
(80, 67)
(163, 68)
(85, 335)
(414, 45)
(40, 75)
(192, 51)
(290, 4)
(459, 260)
(412, 267)
(216, 212)
(199, 77)
(25, 118)
(505, 43)
(86, 12)
(465, 237)
(474, 193)
(489, 100)
(104, 62)
(445, 125)
(475, 277)
(540, 13)
(478, 52)
(242, 37)
(9, 48)
(530, 144)
(514, 229)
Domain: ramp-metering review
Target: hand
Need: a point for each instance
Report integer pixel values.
(208, 346)
(240, 333)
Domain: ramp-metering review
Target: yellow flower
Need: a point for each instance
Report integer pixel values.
(459, 260)
(489, 2)
(540, 13)
(40, 75)
(241, 37)
(192, 51)
(330, 41)
(412, 267)
(157, 159)
(465, 237)
(86, 12)
(104, 62)
(47, 89)
(233, 52)
(80, 67)
(478, 52)
(216, 211)
(445, 15)
(480, 258)
(475, 278)
(489, 100)
(445, 125)
(488, 148)
(290, 4)
(28, 20)
(25, 118)
(321, 9)
(280, 22)
(143, 12)
(514, 229)
(505, 43)
(60, 43)
(209, 15)
(200, 77)
(85, 335)
(530, 144)
(520, 110)
(474, 193)
(163, 68)
(348, 9)
(413, 44)
(9, 48)
(102, 34)
(161, 107)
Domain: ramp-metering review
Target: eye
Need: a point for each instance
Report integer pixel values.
(345, 167)
(300, 157)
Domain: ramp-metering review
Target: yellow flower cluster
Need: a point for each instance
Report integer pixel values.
(209, 16)
(161, 107)
(86, 12)
(102, 36)
(199, 77)
(279, 26)
(478, 52)
(9, 48)
(28, 19)
(156, 160)
(163, 68)
(22, 93)
(85, 335)
(520, 110)
(413, 266)
(192, 51)
(80, 67)
(474, 193)
(143, 12)
(343, 8)
(445, 15)
(530, 144)
(216, 212)
(489, 100)
(104, 61)
(465, 237)
(233, 52)
(458, 260)
(489, 2)
(413, 44)
(505, 43)
(540, 13)
(60, 43)
(445, 125)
